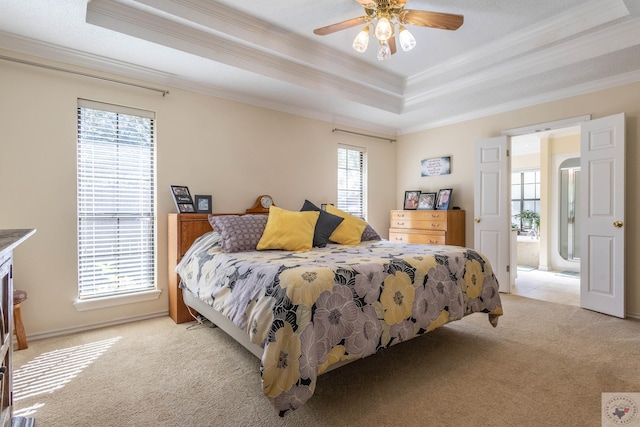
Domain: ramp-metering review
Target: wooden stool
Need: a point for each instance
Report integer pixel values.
(18, 298)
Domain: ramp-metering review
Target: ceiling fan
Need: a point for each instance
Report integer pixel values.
(385, 16)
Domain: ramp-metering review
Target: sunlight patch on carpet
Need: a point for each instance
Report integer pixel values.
(53, 370)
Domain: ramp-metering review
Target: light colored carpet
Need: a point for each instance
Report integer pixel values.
(544, 365)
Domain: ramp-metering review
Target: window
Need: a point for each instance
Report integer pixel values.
(525, 195)
(352, 176)
(116, 201)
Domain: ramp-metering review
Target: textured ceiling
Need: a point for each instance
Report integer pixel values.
(507, 54)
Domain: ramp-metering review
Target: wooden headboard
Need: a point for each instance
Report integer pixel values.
(184, 229)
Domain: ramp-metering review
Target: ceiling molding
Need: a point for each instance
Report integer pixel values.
(574, 21)
(230, 24)
(137, 23)
(568, 92)
(611, 39)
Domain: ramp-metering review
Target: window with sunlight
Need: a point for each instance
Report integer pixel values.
(116, 200)
(352, 178)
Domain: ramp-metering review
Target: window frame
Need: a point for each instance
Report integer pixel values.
(140, 216)
(521, 199)
(359, 208)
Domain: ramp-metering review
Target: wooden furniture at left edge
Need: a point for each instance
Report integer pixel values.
(184, 229)
(9, 240)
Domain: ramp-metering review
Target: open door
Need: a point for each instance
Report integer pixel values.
(602, 206)
(491, 206)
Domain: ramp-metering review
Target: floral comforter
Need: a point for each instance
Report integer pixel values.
(309, 310)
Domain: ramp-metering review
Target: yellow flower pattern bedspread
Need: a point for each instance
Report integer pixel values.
(309, 310)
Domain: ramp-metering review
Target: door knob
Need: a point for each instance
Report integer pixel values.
(617, 224)
(476, 220)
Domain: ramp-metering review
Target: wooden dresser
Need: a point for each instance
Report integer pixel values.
(444, 227)
(9, 240)
(184, 229)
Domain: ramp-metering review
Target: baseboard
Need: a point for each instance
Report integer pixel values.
(69, 331)
(633, 315)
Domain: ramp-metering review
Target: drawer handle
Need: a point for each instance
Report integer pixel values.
(399, 239)
(433, 241)
(400, 215)
(435, 216)
(435, 225)
(401, 223)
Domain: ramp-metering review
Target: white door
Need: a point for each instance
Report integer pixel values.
(492, 207)
(602, 207)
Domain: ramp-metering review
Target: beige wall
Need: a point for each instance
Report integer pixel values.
(458, 141)
(232, 151)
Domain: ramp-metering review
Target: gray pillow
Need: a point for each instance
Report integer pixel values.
(370, 234)
(239, 233)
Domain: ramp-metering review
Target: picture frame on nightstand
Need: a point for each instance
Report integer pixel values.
(203, 203)
(182, 199)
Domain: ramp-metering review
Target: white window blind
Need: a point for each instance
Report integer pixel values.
(351, 180)
(116, 200)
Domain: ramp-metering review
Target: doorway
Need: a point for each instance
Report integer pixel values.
(544, 180)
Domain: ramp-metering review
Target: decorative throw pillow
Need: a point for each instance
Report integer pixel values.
(288, 230)
(239, 233)
(327, 223)
(349, 232)
(370, 234)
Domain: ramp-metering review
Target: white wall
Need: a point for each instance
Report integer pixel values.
(232, 151)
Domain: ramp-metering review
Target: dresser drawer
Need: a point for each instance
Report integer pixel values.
(420, 224)
(420, 215)
(425, 239)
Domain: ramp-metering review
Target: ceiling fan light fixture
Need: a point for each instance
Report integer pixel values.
(384, 30)
(407, 41)
(384, 52)
(361, 41)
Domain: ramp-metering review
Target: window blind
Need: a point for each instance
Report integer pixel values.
(351, 180)
(116, 200)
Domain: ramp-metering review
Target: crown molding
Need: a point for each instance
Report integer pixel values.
(230, 24)
(564, 93)
(141, 24)
(574, 21)
(617, 37)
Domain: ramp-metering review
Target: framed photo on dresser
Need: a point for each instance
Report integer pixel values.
(427, 201)
(411, 199)
(444, 198)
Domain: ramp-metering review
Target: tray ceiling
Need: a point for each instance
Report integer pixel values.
(506, 55)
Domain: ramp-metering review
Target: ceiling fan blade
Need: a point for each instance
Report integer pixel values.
(341, 26)
(443, 21)
(392, 44)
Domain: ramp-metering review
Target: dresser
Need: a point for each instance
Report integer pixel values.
(444, 227)
(9, 240)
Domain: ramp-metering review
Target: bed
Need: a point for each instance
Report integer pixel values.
(306, 312)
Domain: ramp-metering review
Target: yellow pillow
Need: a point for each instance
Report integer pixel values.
(288, 230)
(349, 232)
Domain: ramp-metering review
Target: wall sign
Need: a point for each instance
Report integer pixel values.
(436, 166)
